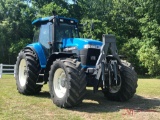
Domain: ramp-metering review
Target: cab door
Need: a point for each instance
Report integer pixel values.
(45, 38)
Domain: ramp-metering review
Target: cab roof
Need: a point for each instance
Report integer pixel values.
(40, 21)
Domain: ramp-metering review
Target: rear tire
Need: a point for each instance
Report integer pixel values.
(67, 83)
(128, 84)
(27, 70)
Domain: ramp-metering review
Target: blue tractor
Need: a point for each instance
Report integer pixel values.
(68, 63)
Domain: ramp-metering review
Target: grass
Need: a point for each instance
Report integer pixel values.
(149, 87)
(144, 105)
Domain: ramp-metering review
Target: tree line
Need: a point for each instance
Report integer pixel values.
(136, 25)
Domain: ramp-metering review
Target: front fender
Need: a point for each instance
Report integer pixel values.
(52, 58)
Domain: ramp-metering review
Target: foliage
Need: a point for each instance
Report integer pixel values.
(148, 52)
(132, 46)
(136, 25)
(15, 24)
(16, 47)
(48, 8)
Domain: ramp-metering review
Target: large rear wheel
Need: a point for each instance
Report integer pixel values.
(67, 82)
(27, 70)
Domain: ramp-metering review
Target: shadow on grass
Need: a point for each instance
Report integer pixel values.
(43, 94)
(96, 102)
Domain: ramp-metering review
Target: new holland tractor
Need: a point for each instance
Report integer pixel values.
(68, 63)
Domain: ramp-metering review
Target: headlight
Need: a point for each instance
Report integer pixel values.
(92, 46)
(69, 48)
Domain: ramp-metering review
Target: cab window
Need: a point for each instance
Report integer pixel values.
(44, 36)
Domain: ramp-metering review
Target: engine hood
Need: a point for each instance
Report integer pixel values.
(79, 42)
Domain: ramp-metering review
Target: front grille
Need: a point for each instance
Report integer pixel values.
(89, 56)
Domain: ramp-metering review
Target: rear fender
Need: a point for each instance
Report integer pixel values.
(37, 48)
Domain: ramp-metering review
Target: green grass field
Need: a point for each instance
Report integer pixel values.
(144, 105)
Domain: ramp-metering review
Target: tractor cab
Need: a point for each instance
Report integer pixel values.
(60, 35)
(52, 30)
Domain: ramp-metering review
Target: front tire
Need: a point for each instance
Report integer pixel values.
(27, 70)
(127, 84)
(67, 83)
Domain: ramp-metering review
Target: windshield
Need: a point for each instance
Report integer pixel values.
(66, 31)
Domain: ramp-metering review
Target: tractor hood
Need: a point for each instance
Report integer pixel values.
(81, 43)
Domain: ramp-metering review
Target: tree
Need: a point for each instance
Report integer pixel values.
(15, 26)
(136, 25)
(47, 9)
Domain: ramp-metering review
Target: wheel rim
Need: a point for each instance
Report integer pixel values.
(59, 82)
(116, 88)
(22, 72)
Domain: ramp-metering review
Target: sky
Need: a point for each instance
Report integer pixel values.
(70, 1)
